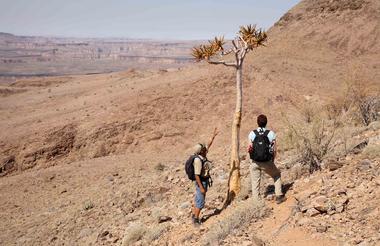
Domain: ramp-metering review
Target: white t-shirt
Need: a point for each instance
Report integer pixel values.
(271, 135)
(198, 170)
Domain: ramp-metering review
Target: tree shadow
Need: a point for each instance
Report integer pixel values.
(230, 196)
(217, 211)
(269, 190)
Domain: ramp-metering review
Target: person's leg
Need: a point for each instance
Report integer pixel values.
(271, 169)
(199, 202)
(255, 180)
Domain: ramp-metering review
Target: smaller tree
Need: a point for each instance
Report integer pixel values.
(248, 38)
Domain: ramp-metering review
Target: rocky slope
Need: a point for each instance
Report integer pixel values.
(98, 159)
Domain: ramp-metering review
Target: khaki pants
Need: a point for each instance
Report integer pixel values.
(270, 169)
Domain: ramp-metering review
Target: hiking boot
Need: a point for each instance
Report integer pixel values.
(197, 222)
(280, 199)
(193, 218)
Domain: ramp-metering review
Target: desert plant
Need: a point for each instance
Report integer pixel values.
(133, 233)
(248, 38)
(313, 140)
(308, 113)
(368, 109)
(372, 151)
(361, 99)
(159, 167)
(88, 205)
(243, 213)
(155, 233)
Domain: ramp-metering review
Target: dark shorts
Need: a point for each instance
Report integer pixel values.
(199, 197)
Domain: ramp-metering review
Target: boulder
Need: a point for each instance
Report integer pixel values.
(163, 219)
(311, 212)
(364, 165)
(333, 165)
(321, 228)
(321, 203)
(7, 164)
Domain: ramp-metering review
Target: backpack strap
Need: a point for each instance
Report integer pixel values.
(256, 132)
(266, 133)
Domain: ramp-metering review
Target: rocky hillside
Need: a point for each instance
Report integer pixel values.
(347, 27)
(98, 159)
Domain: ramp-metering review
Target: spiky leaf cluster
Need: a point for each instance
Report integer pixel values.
(252, 36)
(206, 51)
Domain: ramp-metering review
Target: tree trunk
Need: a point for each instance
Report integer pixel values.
(234, 179)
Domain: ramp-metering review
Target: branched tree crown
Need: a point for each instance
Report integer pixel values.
(247, 39)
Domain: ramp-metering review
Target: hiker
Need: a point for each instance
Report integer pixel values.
(262, 151)
(198, 170)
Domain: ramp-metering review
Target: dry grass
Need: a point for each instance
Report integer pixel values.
(133, 233)
(312, 139)
(372, 151)
(139, 232)
(320, 132)
(235, 217)
(155, 232)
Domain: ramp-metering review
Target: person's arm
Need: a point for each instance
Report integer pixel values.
(250, 146)
(212, 138)
(197, 173)
(198, 180)
(274, 144)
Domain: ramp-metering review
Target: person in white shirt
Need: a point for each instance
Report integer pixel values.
(262, 150)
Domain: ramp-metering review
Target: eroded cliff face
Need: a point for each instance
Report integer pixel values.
(21, 55)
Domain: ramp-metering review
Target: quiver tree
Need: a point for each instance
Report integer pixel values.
(248, 38)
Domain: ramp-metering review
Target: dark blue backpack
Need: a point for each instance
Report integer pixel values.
(189, 167)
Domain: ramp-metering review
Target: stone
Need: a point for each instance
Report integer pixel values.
(374, 125)
(304, 221)
(320, 203)
(364, 165)
(7, 164)
(175, 181)
(85, 233)
(333, 165)
(104, 234)
(321, 228)
(312, 212)
(359, 147)
(154, 136)
(163, 219)
(185, 205)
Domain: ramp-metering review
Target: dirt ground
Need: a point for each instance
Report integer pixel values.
(98, 159)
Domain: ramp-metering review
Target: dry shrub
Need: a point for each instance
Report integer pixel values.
(319, 133)
(139, 232)
(360, 102)
(368, 109)
(239, 215)
(133, 233)
(313, 141)
(155, 233)
(372, 152)
(308, 112)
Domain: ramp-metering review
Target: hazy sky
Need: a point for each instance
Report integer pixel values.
(157, 19)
